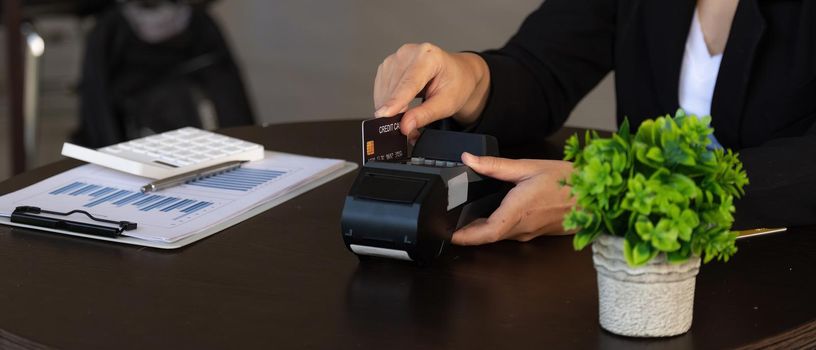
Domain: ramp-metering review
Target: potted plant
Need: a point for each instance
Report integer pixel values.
(652, 205)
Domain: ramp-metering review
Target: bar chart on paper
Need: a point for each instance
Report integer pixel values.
(172, 214)
(241, 179)
(89, 195)
(173, 207)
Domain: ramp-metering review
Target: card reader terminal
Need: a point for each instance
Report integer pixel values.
(409, 209)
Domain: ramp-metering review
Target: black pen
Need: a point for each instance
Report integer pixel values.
(30, 216)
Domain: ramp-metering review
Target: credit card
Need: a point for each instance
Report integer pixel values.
(383, 141)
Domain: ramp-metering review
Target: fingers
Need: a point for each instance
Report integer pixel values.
(379, 85)
(504, 169)
(432, 109)
(446, 81)
(414, 71)
(473, 234)
(421, 67)
(413, 137)
(498, 226)
(535, 206)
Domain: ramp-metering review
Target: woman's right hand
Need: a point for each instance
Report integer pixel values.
(452, 84)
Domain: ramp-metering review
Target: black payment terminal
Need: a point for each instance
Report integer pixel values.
(409, 209)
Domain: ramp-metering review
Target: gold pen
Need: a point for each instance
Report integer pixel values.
(191, 176)
(759, 231)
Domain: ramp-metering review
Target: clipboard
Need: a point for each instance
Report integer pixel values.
(307, 186)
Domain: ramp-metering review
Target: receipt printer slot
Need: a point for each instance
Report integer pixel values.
(381, 187)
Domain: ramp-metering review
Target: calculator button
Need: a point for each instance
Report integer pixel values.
(167, 158)
(450, 164)
(428, 162)
(184, 161)
(439, 163)
(231, 150)
(186, 147)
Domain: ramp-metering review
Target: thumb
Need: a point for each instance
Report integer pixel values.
(432, 109)
(503, 169)
(480, 231)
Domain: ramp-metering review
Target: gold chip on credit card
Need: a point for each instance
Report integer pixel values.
(391, 144)
(369, 148)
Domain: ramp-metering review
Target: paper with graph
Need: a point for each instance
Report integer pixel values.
(178, 212)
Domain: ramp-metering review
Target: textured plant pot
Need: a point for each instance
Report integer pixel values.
(654, 300)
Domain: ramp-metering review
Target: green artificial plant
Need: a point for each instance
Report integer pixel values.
(663, 189)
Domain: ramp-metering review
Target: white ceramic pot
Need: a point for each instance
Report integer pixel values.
(654, 300)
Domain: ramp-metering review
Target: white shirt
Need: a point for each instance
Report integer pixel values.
(698, 75)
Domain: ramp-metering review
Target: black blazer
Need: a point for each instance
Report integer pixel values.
(764, 103)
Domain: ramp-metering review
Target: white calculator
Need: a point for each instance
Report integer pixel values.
(168, 154)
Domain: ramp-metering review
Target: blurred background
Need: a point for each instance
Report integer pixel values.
(300, 60)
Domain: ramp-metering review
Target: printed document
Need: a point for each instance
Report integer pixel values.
(177, 212)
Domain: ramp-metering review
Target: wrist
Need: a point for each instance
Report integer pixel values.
(476, 67)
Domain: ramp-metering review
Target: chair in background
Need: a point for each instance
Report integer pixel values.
(152, 66)
(24, 47)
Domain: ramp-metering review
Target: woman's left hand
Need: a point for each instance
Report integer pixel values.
(535, 206)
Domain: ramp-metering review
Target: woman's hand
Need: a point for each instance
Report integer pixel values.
(452, 84)
(535, 206)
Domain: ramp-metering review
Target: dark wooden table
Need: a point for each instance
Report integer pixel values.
(284, 280)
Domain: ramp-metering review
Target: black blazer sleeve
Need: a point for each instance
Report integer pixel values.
(782, 191)
(566, 47)
(561, 51)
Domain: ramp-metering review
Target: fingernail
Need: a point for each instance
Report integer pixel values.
(381, 112)
(413, 137)
(468, 158)
(410, 125)
(455, 238)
